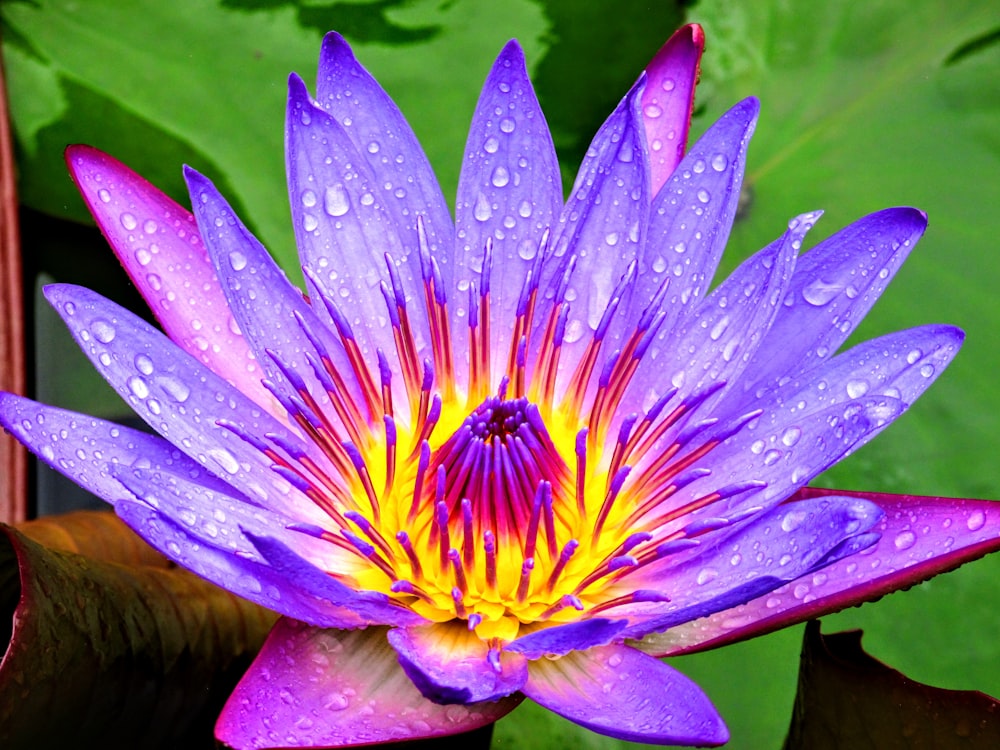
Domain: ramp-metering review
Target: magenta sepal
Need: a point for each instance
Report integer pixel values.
(621, 692)
(921, 537)
(668, 100)
(311, 687)
(158, 244)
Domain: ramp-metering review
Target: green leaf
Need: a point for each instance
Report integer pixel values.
(160, 84)
(121, 650)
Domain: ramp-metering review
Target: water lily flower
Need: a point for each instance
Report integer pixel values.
(520, 453)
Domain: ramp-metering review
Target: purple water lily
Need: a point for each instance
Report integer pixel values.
(517, 454)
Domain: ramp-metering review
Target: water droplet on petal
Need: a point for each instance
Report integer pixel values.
(820, 292)
(904, 540)
(482, 210)
(128, 221)
(976, 521)
(138, 386)
(335, 200)
(719, 162)
(500, 176)
(237, 260)
(857, 388)
(104, 195)
(652, 111)
(103, 330)
(507, 125)
(143, 364)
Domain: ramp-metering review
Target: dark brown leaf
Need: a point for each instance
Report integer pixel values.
(110, 655)
(847, 699)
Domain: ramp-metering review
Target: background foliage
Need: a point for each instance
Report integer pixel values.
(864, 105)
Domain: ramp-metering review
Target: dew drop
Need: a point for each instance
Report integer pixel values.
(143, 364)
(507, 125)
(705, 575)
(225, 459)
(500, 177)
(927, 370)
(143, 256)
(652, 111)
(175, 388)
(336, 702)
(857, 388)
(976, 521)
(482, 210)
(719, 162)
(335, 200)
(524, 210)
(491, 145)
(904, 540)
(138, 386)
(128, 221)
(103, 330)
(104, 195)
(771, 457)
(308, 198)
(237, 260)
(791, 436)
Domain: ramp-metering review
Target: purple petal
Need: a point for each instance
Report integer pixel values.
(621, 692)
(87, 450)
(157, 242)
(270, 311)
(784, 450)
(321, 688)
(691, 217)
(602, 226)
(713, 344)
(219, 519)
(668, 100)
(179, 397)
(382, 136)
(900, 365)
(921, 537)
(509, 192)
(574, 636)
(344, 230)
(834, 286)
(775, 548)
(449, 664)
(373, 606)
(250, 579)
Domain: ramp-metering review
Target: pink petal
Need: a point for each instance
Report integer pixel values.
(158, 244)
(668, 100)
(921, 537)
(318, 688)
(621, 692)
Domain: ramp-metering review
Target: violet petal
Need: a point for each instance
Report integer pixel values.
(448, 663)
(179, 397)
(773, 549)
(573, 636)
(87, 449)
(510, 179)
(621, 692)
